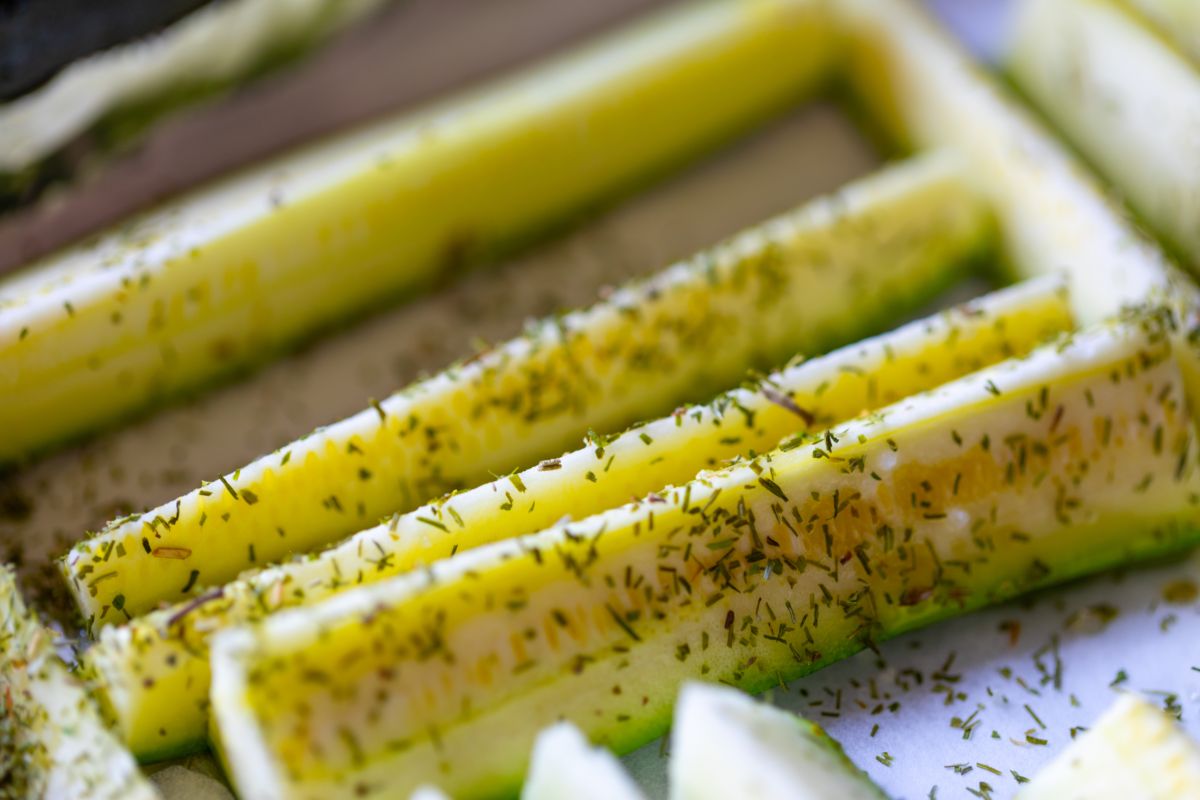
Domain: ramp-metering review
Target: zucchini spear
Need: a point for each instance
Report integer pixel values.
(1116, 89)
(1133, 750)
(726, 745)
(53, 743)
(827, 273)
(922, 90)
(225, 277)
(152, 673)
(1177, 19)
(1080, 456)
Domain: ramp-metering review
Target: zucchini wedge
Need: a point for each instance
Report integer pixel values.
(920, 89)
(565, 765)
(223, 278)
(152, 674)
(1133, 750)
(53, 743)
(725, 744)
(1126, 98)
(1079, 456)
(1176, 19)
(830, 272)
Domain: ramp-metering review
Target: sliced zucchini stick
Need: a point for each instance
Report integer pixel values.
(923, 91)
(1133, 750)
(828, 273)
(1126, 98)
(1177, 19)
(725, 744)
(428, 793)
(1033, 471)
(565, 765)
(223, 278)
(55, 744)
(152, 674)
(143, 79)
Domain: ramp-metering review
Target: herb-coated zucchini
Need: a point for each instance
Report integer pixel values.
(53, 743)
(827, 273)
(565, 765)
(1080, 456)
(1126, 98)
(152, 673)
(1133, 750)
(724, 745)
(220, 279)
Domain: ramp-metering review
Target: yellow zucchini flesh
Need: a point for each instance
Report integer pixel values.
(1133, 750)
(152, 673)
(830, 272)
(1125, 98)
(223, 278)
(1079, 456)
(53, 743)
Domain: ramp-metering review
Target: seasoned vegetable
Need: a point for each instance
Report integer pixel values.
(1128, 100)
(52, 741)
(1033, 471)
(221, 279)
(564, 765)
(153, 672)
(825, 274)
(1133, 750)
(724, 745)
(923, 91)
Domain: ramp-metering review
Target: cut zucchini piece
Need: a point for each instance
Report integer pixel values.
(221, 279)
(1078, 457)
(129, 86)
(1126, 98)
(830, 272)
(1133, 750)
(724, 745)
(1177, 19)
(55, 744)
(152, 674)
(922, 90)
(565, 765)
(428, 793)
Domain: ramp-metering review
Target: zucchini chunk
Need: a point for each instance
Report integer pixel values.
(565, 765)
(53, 743)
(1133, 750)
(830, 272)
(920, 89)
(1126, 98)
(228, 275)
(724, 745)
(1176, 19)
(152, 673)
(1080, 456)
